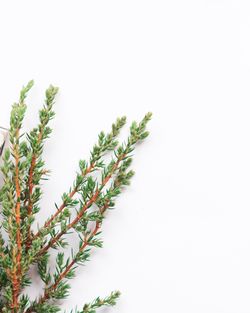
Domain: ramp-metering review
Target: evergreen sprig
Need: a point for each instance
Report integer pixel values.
(83, 209)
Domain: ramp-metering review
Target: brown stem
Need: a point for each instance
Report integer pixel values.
(17, 255)
(63, 205)
(82, 211)
(69, 226)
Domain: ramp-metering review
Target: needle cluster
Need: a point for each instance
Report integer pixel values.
(82, 210)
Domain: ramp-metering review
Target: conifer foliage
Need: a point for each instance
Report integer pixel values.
(82, 210)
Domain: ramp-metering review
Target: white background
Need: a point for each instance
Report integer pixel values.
(179, 240)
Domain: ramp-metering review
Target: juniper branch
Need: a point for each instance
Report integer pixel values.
(121, 154)
(36, 138)
(58, 289)
(98, 303)
(105, 143)
(17, 116)
(23, 169)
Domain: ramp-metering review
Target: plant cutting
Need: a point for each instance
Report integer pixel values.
(82, 210)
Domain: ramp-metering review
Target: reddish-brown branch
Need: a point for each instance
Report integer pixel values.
(17, 255)
(82, 211)
(63, 205)
(69, 226)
